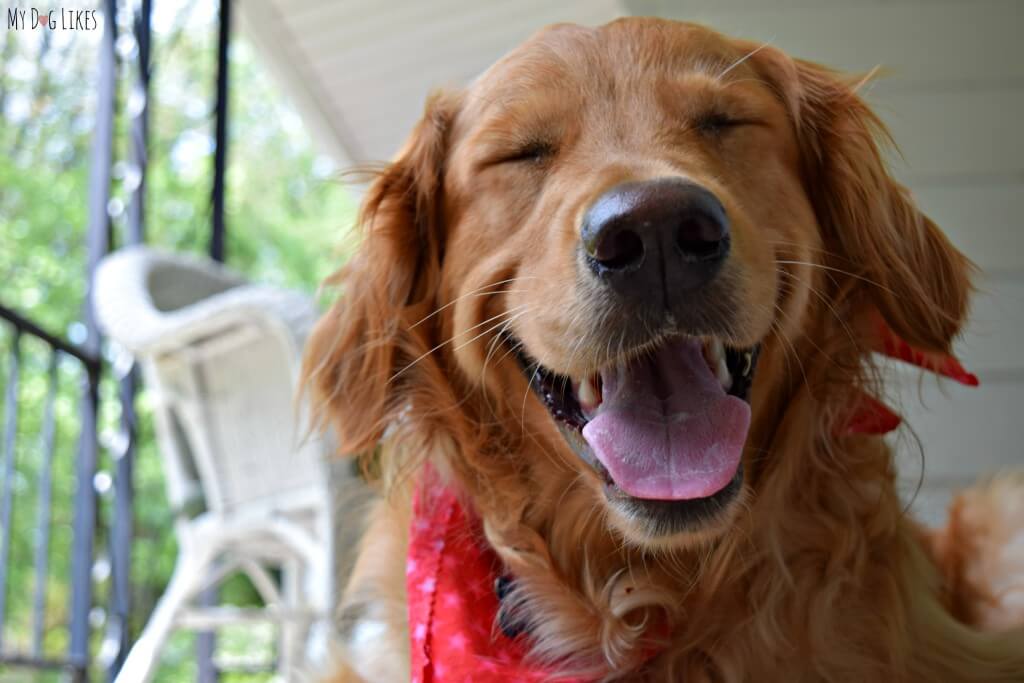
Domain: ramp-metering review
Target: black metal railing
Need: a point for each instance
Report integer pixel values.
(89, 366)
(121, 61)
(81, 615)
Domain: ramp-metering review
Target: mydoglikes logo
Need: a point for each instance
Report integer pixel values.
(54, 19)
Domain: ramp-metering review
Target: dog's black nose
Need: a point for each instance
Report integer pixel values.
(654, 238)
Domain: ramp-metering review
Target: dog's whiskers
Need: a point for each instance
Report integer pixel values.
(474, 293)
(519, 314)
(813, 290)
(838, 270)
(511, 311)
(741, 60)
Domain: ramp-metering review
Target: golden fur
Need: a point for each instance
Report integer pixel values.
(816, 574)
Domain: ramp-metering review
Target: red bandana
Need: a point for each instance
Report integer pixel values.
(868, 415)
(450, 570)
(453, 608)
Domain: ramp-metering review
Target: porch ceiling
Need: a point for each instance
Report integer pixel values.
(359, 70)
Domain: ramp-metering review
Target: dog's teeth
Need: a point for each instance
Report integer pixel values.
(714, 354)
(748, 361)
(588, 395)
(713, 350)
(723, 374)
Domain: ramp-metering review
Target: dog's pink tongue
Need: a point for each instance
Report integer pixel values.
(666, 429)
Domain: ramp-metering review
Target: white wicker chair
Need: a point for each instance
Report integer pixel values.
(219, 358)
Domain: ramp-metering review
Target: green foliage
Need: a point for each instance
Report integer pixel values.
(287, 219)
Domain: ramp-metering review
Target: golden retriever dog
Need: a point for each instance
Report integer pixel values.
(620, 296)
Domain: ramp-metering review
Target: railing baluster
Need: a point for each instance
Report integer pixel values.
(206, 641)
(220, 153)
(42, 540)
(97, 242)
(84, 527)
(7, 496)
(122, 525)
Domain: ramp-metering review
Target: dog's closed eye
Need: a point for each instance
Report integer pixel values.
(533, 151)
(715, 123)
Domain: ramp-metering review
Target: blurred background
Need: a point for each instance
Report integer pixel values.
(220, 130)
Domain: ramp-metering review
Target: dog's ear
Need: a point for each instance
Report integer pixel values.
(368, 337)
(902, 264)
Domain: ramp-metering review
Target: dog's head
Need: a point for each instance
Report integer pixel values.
(665, 234)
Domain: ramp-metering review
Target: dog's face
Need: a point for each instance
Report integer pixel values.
(638, 193)
(625, 219)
